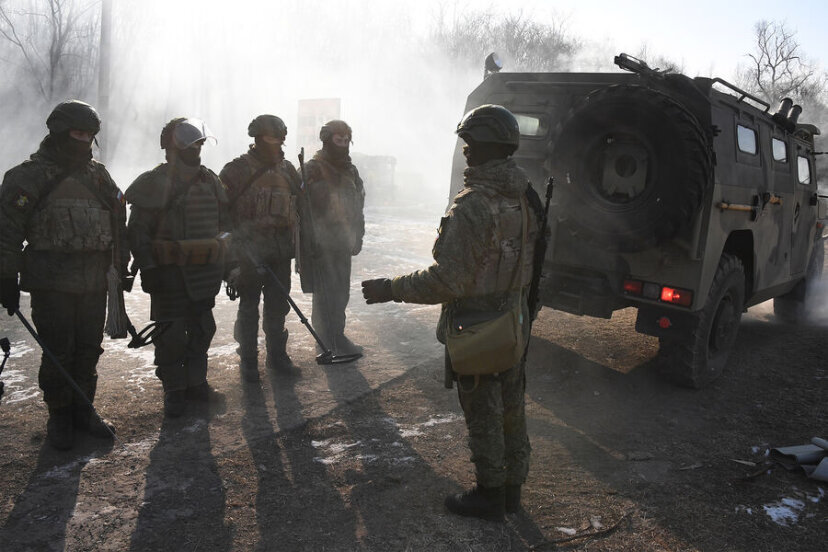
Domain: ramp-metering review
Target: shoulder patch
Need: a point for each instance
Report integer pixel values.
(21, 201)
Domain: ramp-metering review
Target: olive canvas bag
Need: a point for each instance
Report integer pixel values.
(488, 342)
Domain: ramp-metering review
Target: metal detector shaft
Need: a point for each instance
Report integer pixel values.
(327, 357)
(63, 371)
(6, 346)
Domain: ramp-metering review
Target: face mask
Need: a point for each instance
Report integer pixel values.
(337, 152)
(190, 156)
(268, 148)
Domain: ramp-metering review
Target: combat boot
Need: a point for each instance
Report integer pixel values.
(59, 428)
(203, 393)
(85, 419)
(344, 346)
(249, 368)
(281, 364)
(175, 402)
(481, 502)
(512, 493)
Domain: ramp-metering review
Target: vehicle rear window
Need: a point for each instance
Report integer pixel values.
(532, 125)
(780, 151)
(803, 169)
(746, 138)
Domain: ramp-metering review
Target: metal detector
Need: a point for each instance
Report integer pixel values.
(327, 357)
(147, 335)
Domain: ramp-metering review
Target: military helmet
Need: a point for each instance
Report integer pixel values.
(73, 115)
(181, 133)
(267, 125)
(334, 127)
(490, 123)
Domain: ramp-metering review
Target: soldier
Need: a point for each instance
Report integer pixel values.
(175, 235)
(71, 215)
(475, 258)
(261, 185)
(336, 198)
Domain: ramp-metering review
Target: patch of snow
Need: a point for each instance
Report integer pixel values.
(784, 512)
(222, 350)
(18, 387)
(19, 349)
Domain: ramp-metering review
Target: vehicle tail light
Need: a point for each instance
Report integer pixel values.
(677, 296)
(633, 286)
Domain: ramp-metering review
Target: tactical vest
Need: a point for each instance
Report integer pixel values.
(498, 268)
(268, 202)
(343, 195)
(187, 236)
(71, 219)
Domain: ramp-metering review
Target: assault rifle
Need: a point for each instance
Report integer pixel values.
(540, 254)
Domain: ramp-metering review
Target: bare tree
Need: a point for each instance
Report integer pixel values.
(54, 45)
(524, 45)
(778, 68)
(657, 61)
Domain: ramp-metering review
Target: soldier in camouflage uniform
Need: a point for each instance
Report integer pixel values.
(67, 209)
(336, 198)
(175, 234)
(262, 186)
(476, 257)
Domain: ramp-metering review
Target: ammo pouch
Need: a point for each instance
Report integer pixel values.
(485, 342)
(275, 208)
(191, 252)
(481, 343)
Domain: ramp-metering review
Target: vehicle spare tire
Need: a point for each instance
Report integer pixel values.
(633, 165)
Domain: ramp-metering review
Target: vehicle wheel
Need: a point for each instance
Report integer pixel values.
(795, 306)
(698, 361)
(633, 165)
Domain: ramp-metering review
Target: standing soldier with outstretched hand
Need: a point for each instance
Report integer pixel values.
(67, 209)
(483, 261)
(336, 199)
(175, 234)
(262, 187)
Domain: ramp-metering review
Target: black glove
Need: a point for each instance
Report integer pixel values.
(377, 291)
(10, 294)
(126, 282)
(151, 279)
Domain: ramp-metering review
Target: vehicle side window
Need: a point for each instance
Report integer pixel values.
(803, 170)
(746, 138)
(532, 126)
(780, 151)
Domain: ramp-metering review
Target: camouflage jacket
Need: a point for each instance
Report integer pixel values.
(478, 247)
(263, 212)
(177, 203)
(337, 199)
(72, 220)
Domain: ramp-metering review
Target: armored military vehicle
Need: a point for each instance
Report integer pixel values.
(686, 198)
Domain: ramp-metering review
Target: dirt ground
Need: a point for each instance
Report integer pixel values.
(360, 456)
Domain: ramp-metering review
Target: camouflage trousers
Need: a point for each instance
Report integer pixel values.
(495, 415)
(71, 326)
(251, 287)
(181, 351)
(331, 292)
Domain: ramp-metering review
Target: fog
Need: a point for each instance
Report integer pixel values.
(228, 62)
